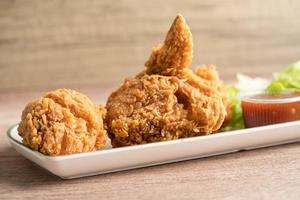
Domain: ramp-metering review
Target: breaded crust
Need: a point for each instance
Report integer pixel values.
(153, 108)
(168, 101)
(175, 53)
(63, 122)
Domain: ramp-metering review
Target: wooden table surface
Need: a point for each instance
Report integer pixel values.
(92, 45)
(268, 173)
(100, 42)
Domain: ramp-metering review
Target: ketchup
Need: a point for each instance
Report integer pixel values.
(265, 109)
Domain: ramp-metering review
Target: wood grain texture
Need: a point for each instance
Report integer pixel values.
(269, 173)
(97, 43)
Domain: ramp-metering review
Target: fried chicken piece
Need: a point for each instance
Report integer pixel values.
(157, 108)
(173, 57)
(143, 109)
(63, 122)
(167, 100)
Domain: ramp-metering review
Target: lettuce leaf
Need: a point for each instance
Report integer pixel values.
(288, 79)
(236, 121)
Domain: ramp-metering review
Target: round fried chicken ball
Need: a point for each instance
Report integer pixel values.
(63, 122)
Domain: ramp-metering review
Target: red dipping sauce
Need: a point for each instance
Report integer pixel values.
(264, 109)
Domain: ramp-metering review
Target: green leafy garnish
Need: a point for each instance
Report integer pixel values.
(289, 79)
(236, 121)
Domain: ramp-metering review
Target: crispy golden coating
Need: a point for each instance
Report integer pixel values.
(175, 53)
(167, 100)
(157, 108)
(211, 98)
(143, 109)
(63, 122)
(174, 56)
(210, 74)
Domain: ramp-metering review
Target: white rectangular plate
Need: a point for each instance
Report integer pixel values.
(118, 159)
